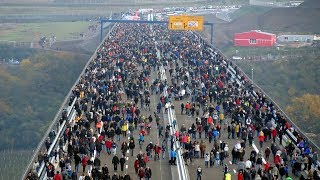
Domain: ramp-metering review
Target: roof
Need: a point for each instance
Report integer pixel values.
(258, 31)
(296, 35)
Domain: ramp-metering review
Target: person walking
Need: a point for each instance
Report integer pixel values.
(105, 170)
(57, 176)
(132, 146)
(206, 160)
(136, 165)
(202, 149)
(173, 157)
(227, 176)
(115, 162)
(261, 139)
(199, 173)
(84, 162)
(141, 173)
(148, 173)
(122, 161)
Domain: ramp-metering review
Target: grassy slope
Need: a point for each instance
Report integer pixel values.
(86, 8)
(27, 32)
(245, 10)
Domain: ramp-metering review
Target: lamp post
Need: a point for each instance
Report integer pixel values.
(252, 74)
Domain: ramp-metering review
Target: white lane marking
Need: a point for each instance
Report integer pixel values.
(234, 171)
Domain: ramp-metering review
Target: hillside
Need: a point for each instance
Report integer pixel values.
(292, 87)
(30, 95)
(136, 2)
(302, 19)
(32, 92)
(310, 4)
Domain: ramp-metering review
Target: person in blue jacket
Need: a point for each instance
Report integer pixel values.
(173, 157)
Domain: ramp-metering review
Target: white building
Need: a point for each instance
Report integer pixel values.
(295, 38)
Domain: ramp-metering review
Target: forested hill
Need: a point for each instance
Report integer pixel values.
(294, 85)
(31, 93)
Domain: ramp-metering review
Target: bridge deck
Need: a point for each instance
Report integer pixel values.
(126, 65)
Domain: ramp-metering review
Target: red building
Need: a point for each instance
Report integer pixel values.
(255, 38)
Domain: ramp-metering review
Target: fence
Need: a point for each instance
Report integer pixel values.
(269, 3)
(30, 18)
(17, 44)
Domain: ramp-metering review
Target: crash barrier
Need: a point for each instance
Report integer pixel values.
(65, 113)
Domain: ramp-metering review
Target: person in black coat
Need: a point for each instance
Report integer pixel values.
(105, 170)
(131, 146)
(115, 162)
(148, 173)
(122, 161)
(127, 177)
(77, 161)
(115, 177)
(97, 163)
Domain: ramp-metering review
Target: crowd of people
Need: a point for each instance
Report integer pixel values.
(196, 69)
(114, 115)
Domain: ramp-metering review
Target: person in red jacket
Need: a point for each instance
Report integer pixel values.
(266, 166)
(136, 165)
(240, 175)
(274, 134)
(141, 173)
(108, 145)
(84, 162)
(277, 160)
(57, 176)
(157, 151)
(261, 139)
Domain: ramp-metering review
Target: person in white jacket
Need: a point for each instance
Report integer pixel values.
(226, 151)
(197, 150)
(206, 160)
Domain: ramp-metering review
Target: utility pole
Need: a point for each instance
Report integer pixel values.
(252, 74)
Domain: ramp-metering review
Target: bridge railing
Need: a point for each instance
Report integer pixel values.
(64, 108)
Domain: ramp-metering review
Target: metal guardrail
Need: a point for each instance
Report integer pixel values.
(64, 106)
(53, 146)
